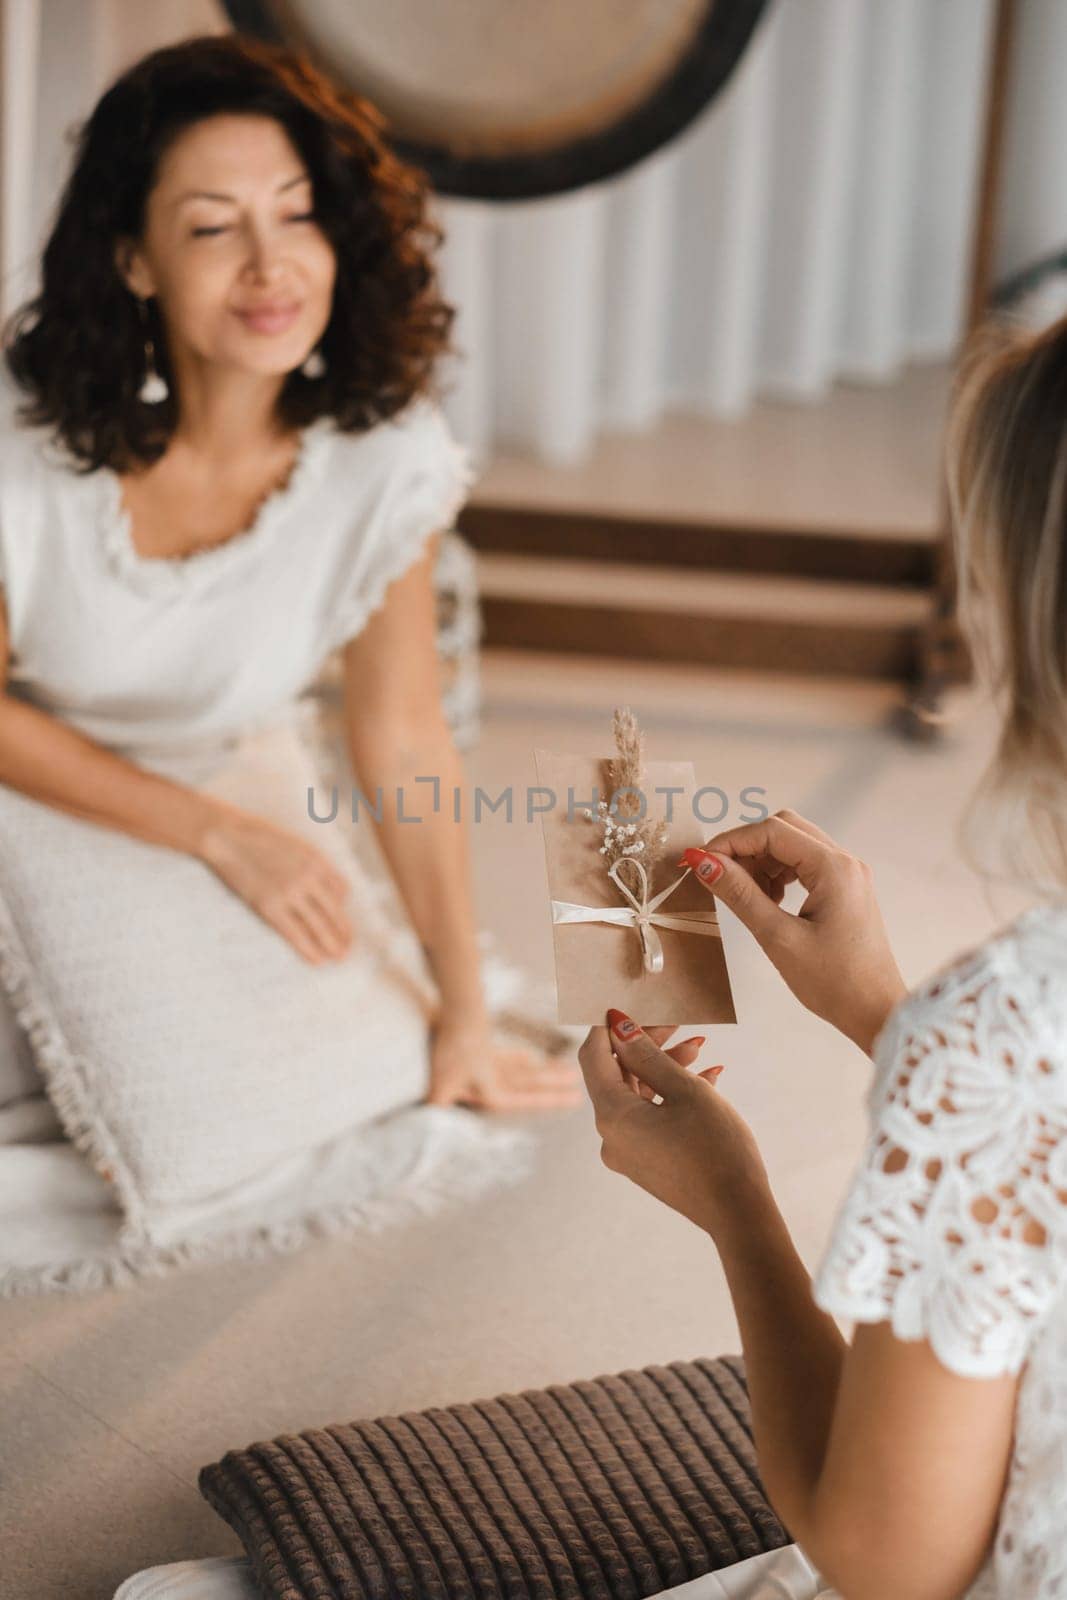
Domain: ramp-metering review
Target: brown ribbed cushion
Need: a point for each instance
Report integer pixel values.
(606, 1489)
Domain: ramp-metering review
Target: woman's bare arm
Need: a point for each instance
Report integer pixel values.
(398, 735)
(285, 879)
(887, 1467)
(400, 742)
(52, 762)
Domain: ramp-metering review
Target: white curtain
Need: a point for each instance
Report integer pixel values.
(56, 58)
(814, 224)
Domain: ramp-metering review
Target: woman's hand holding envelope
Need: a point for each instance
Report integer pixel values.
(668, 1129)
(688, 1146)
(834, 952)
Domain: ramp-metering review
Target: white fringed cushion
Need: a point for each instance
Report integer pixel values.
(188, 1049)
(19, 1077)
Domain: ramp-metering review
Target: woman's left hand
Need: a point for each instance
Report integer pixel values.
(691, 1150)
(467, 1068)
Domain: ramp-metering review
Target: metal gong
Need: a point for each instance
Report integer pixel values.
(512, 99)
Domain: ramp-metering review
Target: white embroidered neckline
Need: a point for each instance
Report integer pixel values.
(170, 574)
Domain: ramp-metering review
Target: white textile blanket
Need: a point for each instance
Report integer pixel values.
(206, 1092)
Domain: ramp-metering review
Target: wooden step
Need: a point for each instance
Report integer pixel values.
(883, 557)
(658, 612)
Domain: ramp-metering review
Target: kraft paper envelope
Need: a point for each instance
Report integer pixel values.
(600, 964)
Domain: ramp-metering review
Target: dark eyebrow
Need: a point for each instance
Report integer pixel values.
(207, 194)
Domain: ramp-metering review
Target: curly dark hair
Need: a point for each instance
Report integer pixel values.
(78, 347)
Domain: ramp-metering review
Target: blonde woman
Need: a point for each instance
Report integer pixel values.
(927, 1459)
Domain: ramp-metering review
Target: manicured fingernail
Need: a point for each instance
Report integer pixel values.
(622, 1026)
(717, 1070)
(706, 867)
(698, 1038)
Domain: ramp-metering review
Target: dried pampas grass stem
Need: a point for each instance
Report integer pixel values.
(626, 831)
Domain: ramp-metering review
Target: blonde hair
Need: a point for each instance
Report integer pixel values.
(1007, 481)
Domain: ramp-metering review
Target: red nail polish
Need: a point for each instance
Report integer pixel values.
(706, 867)
(622, 1026)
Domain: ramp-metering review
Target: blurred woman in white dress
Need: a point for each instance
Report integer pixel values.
(223, 459)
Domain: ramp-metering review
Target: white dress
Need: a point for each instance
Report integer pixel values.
(162, 659)
(170, 662)
(970, 1087)
(190, 667)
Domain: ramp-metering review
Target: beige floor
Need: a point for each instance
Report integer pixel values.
(111, 1402)
(864, 458)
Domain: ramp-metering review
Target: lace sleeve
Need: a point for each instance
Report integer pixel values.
(430, 478)
(955, 1225)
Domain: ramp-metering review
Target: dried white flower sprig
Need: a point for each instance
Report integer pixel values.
(627, 833)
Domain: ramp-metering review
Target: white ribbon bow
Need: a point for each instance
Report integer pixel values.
(642, 914)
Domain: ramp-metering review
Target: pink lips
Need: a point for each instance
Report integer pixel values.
(270, 319)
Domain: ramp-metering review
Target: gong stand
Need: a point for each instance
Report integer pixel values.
(943, 656)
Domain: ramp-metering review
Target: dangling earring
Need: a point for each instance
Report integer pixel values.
(314, 365)
(154, 387)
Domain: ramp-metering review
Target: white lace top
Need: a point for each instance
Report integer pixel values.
(160, 657)
(955, 1225)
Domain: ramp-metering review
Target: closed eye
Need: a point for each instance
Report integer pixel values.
(204, 233)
